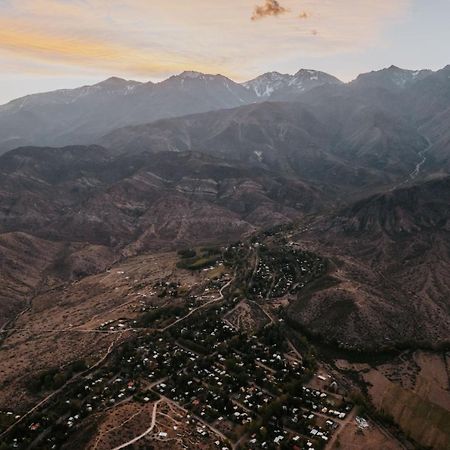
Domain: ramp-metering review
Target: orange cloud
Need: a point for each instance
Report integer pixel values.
(304, 15)
(148, 39)
(270, 8)
(90, 53)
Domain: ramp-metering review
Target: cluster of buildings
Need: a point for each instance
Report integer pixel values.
(247, 387)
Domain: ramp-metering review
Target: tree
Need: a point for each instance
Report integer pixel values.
(58, 380)
(187, 253)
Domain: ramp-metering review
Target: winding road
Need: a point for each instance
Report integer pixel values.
(148, 431)
(214, 300)
(103, 358)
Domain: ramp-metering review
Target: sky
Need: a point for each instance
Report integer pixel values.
(54, 44)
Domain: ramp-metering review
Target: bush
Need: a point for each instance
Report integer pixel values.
(209, 251)
(187, 253)
(197, 263)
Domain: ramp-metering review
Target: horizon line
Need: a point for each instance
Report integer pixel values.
(175, 75)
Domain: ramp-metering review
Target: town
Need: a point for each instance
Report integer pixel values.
(203, 379)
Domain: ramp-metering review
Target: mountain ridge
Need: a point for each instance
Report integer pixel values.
(388, 284)
(82, 115)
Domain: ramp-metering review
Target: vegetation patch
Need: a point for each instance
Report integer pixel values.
(202, 258)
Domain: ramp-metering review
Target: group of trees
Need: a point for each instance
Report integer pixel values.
(55, 378)
(150, 318)
(192, 259)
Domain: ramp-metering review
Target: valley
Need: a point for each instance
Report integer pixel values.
(199, 263)
(163, 336)
(170, 346)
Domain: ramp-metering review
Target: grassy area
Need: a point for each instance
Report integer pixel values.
(419, 418)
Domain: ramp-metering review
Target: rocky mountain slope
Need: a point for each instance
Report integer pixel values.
(219, 176)
(83, 115)
(80, 116)
(392, 78)
(66, 213)
(280, 87)
(334, 198)
(347, 146)
(88, 194)
(390, 263)
(77, 209)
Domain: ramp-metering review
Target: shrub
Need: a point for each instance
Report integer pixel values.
(187, 253)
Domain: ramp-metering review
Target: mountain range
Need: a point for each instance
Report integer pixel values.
(294, 208)
(121, 168)
(84, 115)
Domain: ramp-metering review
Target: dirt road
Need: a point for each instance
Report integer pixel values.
(145, 433)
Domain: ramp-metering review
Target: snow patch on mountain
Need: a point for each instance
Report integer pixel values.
(265, 86)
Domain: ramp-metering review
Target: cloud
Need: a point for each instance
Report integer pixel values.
(149, 40)
(304, 15)
(270, 8)
(88, 52)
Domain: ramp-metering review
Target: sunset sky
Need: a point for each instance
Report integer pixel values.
(51, 44)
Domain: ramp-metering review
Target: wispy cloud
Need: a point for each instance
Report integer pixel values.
(56, 49)
(270, 8)
(151, 39)
(304, 15)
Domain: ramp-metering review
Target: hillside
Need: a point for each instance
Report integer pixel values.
(350, 148)
(66, 213)
(212, 264)
(390, 260)
(83, 115)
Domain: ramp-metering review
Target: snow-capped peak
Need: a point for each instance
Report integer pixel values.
(316, 75)
(193, 75)
(265, 86)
